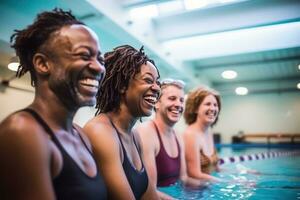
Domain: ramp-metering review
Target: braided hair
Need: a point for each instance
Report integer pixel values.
(121, 64)
(29, 41)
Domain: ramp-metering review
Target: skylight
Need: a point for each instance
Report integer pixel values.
(201, 4)
(195, 4)
(148, 11)
(236, 42)
(170, 7)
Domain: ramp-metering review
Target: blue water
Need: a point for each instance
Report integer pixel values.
(277, 178)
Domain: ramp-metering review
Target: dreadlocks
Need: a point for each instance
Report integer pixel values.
(29, 41)
(122, 64)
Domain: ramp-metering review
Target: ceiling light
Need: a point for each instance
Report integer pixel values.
(229, 74)
(144, 12)
(298, 86)
(241, 91)
(299, 66)
(14, 64)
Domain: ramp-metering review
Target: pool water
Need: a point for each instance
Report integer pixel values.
(278, 178)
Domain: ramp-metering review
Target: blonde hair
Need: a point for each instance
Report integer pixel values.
(174, 82)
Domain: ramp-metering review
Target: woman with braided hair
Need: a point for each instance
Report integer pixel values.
(128, 92)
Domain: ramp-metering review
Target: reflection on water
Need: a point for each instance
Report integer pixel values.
(277, 178)
(213, 191)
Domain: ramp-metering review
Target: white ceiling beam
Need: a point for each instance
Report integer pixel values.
(258, 39)
(227, 18)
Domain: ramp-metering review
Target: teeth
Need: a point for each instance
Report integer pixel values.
(90, 82)
(211, 115)
(151, 99)
(176, 110)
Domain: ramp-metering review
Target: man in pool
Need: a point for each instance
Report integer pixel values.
(43, 154)
(164, 152)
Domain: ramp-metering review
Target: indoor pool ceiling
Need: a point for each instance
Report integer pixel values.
(258, 39)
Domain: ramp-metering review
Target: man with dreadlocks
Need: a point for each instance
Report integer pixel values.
(43, 154)
(129, 91)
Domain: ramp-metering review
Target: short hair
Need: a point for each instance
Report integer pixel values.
(169, 81)
(29, 41)
(122, 64)
(194, 100)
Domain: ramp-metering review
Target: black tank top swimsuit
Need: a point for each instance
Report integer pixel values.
(72, 183)
(138, 180)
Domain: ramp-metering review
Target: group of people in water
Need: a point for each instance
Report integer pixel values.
(44, 155)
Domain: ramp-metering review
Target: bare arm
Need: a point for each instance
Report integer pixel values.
(192, 156)
(105, 146)
(183, 173)
(147, 144)
(148, 151)
(25, 155)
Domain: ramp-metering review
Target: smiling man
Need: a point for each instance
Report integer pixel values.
(163, 148)
(44, 155)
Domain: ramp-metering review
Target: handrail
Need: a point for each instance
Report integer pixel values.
(268, 136)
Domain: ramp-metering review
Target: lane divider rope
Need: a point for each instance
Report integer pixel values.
(256, 156)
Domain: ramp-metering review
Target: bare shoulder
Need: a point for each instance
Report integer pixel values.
(188, 132)
(189, 137)
(21, 125)
(146, 133)
(102, 136)
(179, 137)
(21, 135)
(25, 148)
(99, 125)
(145, 129)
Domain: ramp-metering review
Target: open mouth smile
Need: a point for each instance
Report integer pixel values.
(90, 84)
(151, 99)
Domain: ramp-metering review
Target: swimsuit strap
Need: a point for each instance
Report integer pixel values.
(157, 132)
(160, 140)
(118, 133)
(49, 130)
(41, 121)
(123, 148)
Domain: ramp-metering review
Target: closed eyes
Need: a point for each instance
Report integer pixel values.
(88, 56)
(148, 80)
(100, 59)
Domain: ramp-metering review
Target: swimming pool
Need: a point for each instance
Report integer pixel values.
(279, 177)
